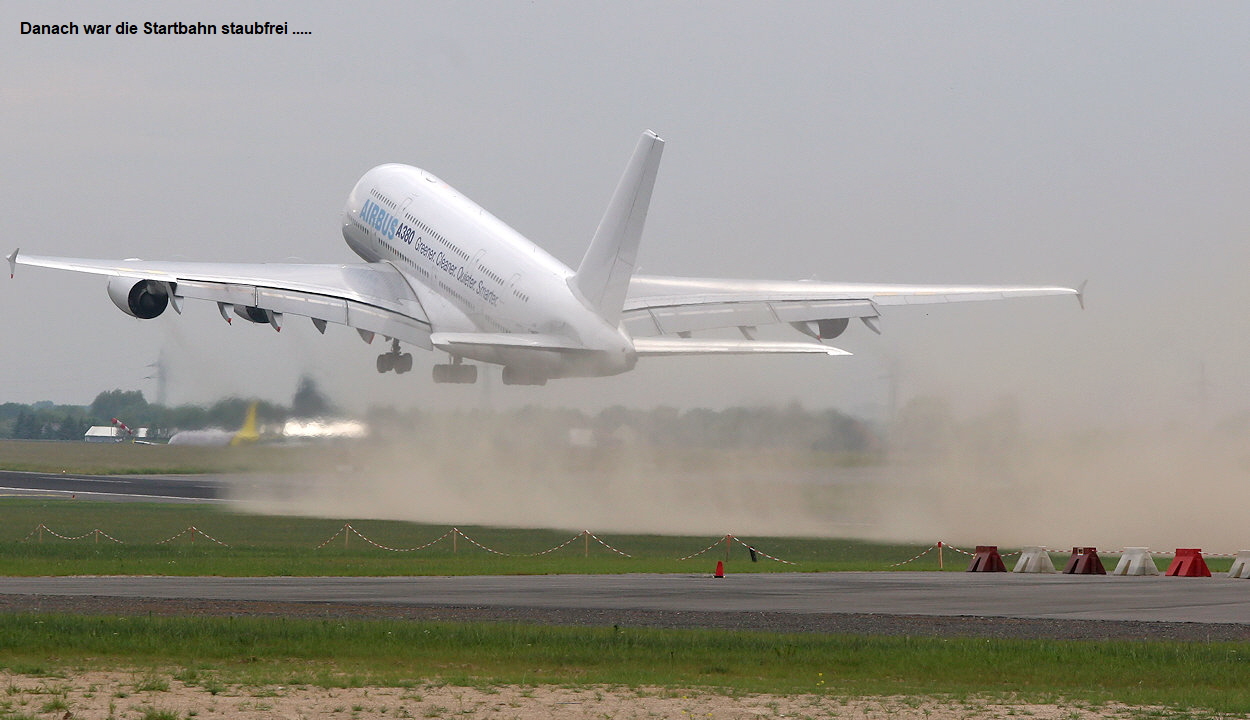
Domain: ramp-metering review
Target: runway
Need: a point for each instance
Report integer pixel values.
(147, 488)
(1052, 598)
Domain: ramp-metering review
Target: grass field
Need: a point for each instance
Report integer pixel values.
(259, 545)
(267, 652)
(130, 459)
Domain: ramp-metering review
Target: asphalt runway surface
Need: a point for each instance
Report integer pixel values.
(888, 603)
(153, 488)
(925, 603)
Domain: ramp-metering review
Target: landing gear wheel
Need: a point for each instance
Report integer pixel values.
(386, 362)
(394, 360)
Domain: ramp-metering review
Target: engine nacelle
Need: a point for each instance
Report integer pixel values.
(830, 329)
(144, 299)
(822, 329)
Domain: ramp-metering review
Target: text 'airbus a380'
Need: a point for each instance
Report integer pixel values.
(441, 273)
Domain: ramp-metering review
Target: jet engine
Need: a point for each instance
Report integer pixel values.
(144, 299)
(822, 329)
(830, 329)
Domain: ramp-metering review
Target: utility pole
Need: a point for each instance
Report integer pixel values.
(160, 376)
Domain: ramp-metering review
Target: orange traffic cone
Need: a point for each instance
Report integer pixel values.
(720, 569)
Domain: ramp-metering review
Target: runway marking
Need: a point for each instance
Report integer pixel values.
(61, 493)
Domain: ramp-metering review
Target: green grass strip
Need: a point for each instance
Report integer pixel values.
(261, 545)
(332, 653)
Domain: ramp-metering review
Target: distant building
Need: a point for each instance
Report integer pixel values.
(112, 434)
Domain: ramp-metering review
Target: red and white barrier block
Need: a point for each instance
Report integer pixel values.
(1136, 561)
(1034, 559)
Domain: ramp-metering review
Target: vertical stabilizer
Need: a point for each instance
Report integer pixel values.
(603, 276)
(248, 433)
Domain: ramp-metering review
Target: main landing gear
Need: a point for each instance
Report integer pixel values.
(457, 372)
(395, 360)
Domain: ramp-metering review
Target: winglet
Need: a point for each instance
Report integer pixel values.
(13, 263)
(603, 276)
(1080, 293)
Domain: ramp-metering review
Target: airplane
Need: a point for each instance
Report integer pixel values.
(441, 273)
(249, 434)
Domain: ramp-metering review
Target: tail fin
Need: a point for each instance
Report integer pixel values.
(603, 276)
(248, 433)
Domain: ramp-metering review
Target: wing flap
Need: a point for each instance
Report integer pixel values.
(652, 347)
(451, 341)
(673, 319)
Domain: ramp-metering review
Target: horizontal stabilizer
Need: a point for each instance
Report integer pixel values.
(654, 346)
(449, 341)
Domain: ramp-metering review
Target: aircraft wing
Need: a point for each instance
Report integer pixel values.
(676, 305)
(371, 297)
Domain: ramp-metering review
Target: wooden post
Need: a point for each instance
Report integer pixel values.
(192, 529)
(586, 538)
(97, 536)
(454, 534)
(940, 565)
(727, 539)
(346, 534)
(40, 528)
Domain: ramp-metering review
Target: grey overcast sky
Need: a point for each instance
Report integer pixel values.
(889, 141)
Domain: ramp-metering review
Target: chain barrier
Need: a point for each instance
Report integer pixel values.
(972, 554)
(41, 528)
(586, 534)
(480, 545)
(194, 531)
(927, 550)
(340, 531)
(110, 537)
(757, 551)
(709, 547)
(618, 552)
(347, 527)
(557, 547)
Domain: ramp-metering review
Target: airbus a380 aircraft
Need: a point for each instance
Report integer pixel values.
(441, 273)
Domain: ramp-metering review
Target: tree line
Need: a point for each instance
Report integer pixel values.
(47, 421)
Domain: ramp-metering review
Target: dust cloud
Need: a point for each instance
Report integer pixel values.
(928, 477)
(1160, 487)
(543, 468)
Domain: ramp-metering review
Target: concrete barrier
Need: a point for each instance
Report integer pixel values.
(1084, 561)
(1188, 563)
(1136, 561)
(1034, 559)
(987, 559)
(1241, 566)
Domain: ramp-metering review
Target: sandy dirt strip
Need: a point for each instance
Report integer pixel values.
(136, 696)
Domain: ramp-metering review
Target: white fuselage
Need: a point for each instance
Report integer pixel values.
(474, 274)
